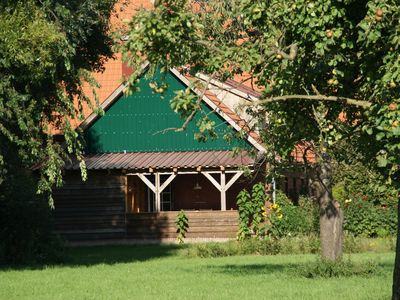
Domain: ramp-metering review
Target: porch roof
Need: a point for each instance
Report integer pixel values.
(163, 160)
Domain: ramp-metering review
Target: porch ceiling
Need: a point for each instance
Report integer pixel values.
(162, 160)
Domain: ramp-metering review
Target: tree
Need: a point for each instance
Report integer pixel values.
(47, 50)
(330, 72)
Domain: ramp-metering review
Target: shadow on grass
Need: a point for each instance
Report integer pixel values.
(293, 269)
(109, 255)
(249, 270)
(118, 254)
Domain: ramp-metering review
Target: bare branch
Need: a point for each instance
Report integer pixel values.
(315, 90)
(349, 101)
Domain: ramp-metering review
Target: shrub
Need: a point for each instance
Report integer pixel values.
(300, 244)
(363, 217)
(209, 250)
(248, 246)
(26, 227)
(251, 211)
(370, 204)
(182, 225)
(358, 244)
(294, 220)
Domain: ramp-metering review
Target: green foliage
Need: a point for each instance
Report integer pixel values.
(291, 220)
(330, 70)
(369, 203)
(363, 217)
(342, 53)
(356, 178)
(251, 211)
(341, 268)
(47, 50)
(359, 244)
(244, 247)
(26, 226)
(182, 225)
(300, 244)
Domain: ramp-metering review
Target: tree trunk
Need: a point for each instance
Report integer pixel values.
(331, 215)
(396, 272)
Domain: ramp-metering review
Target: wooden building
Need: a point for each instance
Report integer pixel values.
(140, 175)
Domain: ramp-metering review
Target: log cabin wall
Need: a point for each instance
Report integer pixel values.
(98, 208)
(202, 225)
(91, 210)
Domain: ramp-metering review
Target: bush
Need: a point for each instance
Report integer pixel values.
(247, 246)
(300, 244)
(26, 235)
(358, 244)
(294, 220)
(251, 211)
(26, 227)
(363, 217)
(368, 201)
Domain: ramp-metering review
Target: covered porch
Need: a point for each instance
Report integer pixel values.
(208, 199)
(148, 190)
(188, 190)
(171, 181)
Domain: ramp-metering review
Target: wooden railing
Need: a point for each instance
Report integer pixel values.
(202, 225)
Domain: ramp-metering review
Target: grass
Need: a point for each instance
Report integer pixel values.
(162, 272)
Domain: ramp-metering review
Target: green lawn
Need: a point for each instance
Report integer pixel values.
(155, 272)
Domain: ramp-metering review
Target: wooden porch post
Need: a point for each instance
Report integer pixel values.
(157, 187)
(223, 186)
(223, 191)
(157, 192)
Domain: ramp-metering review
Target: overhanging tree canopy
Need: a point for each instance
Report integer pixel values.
(330, 71)
(47, 50)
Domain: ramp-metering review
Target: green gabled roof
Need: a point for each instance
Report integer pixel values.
(133, 124)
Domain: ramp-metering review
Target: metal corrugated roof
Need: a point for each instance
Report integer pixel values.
(162, 160)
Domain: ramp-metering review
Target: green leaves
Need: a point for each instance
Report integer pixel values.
(344, 49)
(184, 102)
(251, 209)
(47, 48)
(182, 225)
(163, 36)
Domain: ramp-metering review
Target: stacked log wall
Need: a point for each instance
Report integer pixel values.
(202, 225)
(91, 210)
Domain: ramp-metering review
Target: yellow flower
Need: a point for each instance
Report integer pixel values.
(347, 201)
(274, 206)
(280, 216)
(264, 213)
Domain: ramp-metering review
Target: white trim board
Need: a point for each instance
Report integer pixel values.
(211, 104)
